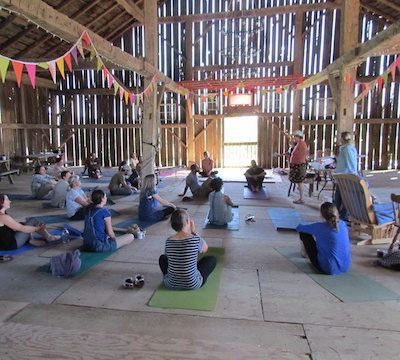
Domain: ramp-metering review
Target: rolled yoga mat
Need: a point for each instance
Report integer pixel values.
(232, 225)
(349, 287)
(204, 298)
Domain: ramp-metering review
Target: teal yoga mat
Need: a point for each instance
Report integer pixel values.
(349, 287)
(88, 260)
(204, 298)
(284, 218)
(142, 224)
(233, 225)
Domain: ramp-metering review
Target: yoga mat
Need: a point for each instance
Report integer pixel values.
(103, 180)
(262, 194)
(204, 298)
(233, 225)
(13, 197)
(58, 218)
(143, 224)
(88, 260)
(21, 250)
(349, 287)
(284, 218)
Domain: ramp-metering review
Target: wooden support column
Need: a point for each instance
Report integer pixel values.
(24, 118)
(298, 66)
(150, 123)
(350, 15)
(191, 155)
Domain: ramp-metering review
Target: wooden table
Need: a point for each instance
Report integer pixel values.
(40, 158)
(5, 170)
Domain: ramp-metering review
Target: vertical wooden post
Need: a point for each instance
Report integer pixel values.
(188, 50)
(191, 157)
(55, 132)
(298, 66)
(150, 123)
(349, 25)
(25, 143)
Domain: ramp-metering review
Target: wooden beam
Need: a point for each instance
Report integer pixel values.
(7, 21)
(298, 65)
(244, 66)
(100, 16)
(40, 82)
(83, 126)
(356, 121)
(132, 9)
(267, 11)
(70, 30)
(390, 4)
(16, 37)
(385, 42)
(376, 11)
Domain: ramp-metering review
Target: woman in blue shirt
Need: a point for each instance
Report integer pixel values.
(220, 204)
(98, 234)
(327, 243)
(149, 209)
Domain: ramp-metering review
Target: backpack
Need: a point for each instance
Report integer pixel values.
(391, 260)
(66, 264)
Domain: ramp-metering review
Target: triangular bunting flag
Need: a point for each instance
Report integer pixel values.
(393, 69)
(116, 87)
(80, 48)
(18, 67)
(126, 95)
(43, 65)
(132, 98)
(398, 60)
(4, 62)
(68, 61)
(110, 80)
(100, 63)
(93, 53)
(380, 83)
(121, 92)
(74, 53)
(385, 76)
(60, 66)
(105, 73)
(52, 69)
(86, 39)
(31, 69)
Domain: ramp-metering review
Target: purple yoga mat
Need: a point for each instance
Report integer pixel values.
(262, 194)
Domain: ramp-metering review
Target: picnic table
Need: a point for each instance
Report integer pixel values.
(41, 158)
(5, 170)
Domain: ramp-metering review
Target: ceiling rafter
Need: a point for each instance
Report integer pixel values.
(390, 4)
(376, 11)
(7, 21)
(132, 9)
(16, 37)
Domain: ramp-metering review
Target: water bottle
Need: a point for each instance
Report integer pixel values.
(65, 236)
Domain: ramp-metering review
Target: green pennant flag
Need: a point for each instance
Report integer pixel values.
(100, 63)
(116, 87)
(4, 62)
(43, 65)
(92, 52)
(385, 77)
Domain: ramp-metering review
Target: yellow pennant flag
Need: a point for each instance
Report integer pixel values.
(60, 66)
(126, 96)
(100, 63)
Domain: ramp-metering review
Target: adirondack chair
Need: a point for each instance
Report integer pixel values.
(357, 200)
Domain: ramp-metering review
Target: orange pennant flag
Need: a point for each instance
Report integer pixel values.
(68, 61)
(18, 67)
(126, 95)
(60, 65)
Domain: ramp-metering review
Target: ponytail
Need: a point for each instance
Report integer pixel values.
(331, 214)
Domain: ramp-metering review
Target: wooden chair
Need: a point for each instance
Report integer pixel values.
(357, 200)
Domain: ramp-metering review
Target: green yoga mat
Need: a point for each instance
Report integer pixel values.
(349, 287)
(204, 298)
(88, 260)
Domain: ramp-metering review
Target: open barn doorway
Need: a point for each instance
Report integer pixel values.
(240, 140)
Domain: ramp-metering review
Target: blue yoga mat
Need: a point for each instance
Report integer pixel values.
(13, 197)
(284, 218)
(143, 224)
(21, 250)
(262, 194)
(349, 287)
(233, 225)
(103, 180)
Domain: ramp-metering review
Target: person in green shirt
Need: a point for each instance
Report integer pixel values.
(118, 184)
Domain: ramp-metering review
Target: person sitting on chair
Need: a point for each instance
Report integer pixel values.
(179, 265)
(327, 243)
(59, 194)
(118, 185)
(207, 165)
(255, 176)
(220, 212)
(42, 183)
(192, 183)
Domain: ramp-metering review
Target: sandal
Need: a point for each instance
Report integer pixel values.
(139, 281)
(129, 283)
(5, 258)
(298, 201)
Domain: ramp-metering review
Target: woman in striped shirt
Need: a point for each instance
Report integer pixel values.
(179, 265)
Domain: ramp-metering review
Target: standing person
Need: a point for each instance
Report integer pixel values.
(207, 165)
(118, 185)
(76, 200)
(327, 243)
(42, 183)
(98, 234)
(255, 176)
(13, 234)
(149, 200)
(298, 164)
(346, 163)
(179, 265)
(192, 183)
(59, 194)
(220, 212)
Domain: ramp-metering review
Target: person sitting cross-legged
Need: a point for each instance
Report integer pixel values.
(118, 184)
(327, 243)
(192, 183)
(42, 184)
(59, 194)
(179, 265)
(98, 234)
(255, 176)
(76, 200)
(220, 212)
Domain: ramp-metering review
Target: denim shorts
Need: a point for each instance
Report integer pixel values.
(108, 244)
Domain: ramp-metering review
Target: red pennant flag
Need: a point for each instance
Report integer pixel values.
(74, 53)
(105, 73)
(86, 39)
(398, 60)
(393, 69)
(67, 59)
(110, 80)
(18, 67)
(380, 83)
(31, 69)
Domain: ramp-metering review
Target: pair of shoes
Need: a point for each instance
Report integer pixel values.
(250, 218)
(187, 198)
(136, 282)
(298, 201)
(5, 258)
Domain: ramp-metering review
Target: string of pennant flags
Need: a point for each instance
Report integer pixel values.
(65, 61)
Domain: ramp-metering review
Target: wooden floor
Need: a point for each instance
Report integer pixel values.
(267, 308)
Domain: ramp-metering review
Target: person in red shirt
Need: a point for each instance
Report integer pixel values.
(298, 164)
(207, 165)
